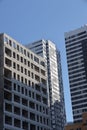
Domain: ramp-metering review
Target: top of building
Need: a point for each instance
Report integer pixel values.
(76, 31)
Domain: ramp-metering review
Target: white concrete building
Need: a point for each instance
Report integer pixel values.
(76, 50)
(47, 49)
(23, 88)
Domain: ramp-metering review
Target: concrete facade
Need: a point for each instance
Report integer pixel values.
(23, 89)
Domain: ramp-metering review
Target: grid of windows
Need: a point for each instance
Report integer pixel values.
(25, 90)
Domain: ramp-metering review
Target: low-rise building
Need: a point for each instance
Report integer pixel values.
(78, 126)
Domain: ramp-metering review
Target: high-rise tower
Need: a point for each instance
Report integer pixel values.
(76, 50)
(48, 51)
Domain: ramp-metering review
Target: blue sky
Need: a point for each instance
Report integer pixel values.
(31, 20)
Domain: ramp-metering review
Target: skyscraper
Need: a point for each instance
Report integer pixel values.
(76, 51)
(48, 51)
(23, 88)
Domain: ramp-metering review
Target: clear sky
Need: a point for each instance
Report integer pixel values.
(31, 20)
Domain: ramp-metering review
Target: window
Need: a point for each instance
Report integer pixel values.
(8, 95)
(25, 61)
(32, 105)
(16, 98)
(18, 67)
(32, 116)
(32, 94)
(25, 125)
(21, 69)
(14, 55)
(25, 71)
(22, 80)
(18, 47)
(21, 49)
(17, 123)
(18, 77)
(8, 107)
(25, 81)
(14, 86)
(16, 110)
(14, 45)
(24, 52)
(10, 42)
(29, 73)
(26, 91)
(37, 87)
(32, 56)
(8, 62)
(37, 118)
(18, 88)
(28, 63)
(8, 52)
(29, 83)
(14, 75)
(37, 107)
(14, 65)
(37, 78)
(36, 59)
(29, 93)
(6, 40)
(18, 57)
(43, 63)
(38, 97)
(24, 102)
(8, 120)
(40, 119)
(28, 54)
(21, 59)
(32, 65)
(22, 89)
(25, 113)
(36, 68)
(32, 75)
(43, 72)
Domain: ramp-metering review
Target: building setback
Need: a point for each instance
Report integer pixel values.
(76, 51)
(23, 88)
(48, 51)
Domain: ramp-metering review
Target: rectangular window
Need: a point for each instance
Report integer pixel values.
(14, 65)
(14, 55)
(18, 47)
(25, 113)
(16, 98)
(8, 120)
(21, 50)
(32, 116)
(17, 123)
(18, 57)
(24, 102)
(8, 107)
(18, 67)
(14, 45)
(16, 110)
(6, 40)
(21, 69)
(24, 52)
(10, 42)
